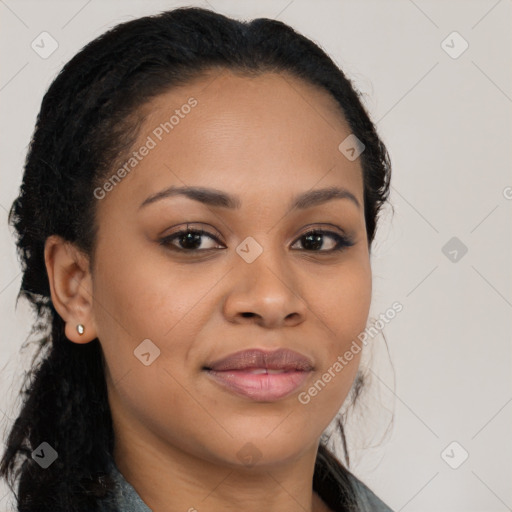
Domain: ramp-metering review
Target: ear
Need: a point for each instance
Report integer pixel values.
(71, 287)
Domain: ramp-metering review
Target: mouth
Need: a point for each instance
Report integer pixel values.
(259, 375)
(260, 384)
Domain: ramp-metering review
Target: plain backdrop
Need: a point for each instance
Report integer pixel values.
(433, 433)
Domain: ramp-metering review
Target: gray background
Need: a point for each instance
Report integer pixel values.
(447, 124)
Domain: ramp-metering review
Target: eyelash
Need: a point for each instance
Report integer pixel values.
(342, 242)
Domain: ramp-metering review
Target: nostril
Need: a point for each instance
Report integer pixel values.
(245, 315)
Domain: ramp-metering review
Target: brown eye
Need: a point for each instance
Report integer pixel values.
(196, 240)
(189, 240)
(314, 240)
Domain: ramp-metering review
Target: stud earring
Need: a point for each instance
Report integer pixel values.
(80, 329)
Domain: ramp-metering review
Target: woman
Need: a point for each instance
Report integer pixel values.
(195, 223)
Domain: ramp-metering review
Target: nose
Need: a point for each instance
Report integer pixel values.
(264, 293)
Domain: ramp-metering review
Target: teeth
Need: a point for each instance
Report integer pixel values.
(259, 371)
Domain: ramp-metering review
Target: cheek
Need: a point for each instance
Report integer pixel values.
(145, 296)
(343, 302)
(138, 298)
(341, 309)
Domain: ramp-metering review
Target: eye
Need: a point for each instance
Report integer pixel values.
(195, 240)
(313, 240)
(189, 240)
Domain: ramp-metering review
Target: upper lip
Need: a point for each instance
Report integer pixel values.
(281, 359)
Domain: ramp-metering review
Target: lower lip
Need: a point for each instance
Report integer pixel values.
(267, 387)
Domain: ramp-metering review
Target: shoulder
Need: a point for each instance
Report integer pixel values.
(368, 501)
(125, 498)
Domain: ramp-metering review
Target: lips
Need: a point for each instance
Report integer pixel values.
(281, 359)
(259, 375)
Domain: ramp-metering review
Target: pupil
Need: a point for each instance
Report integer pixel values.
(316, 239)
(191, 238)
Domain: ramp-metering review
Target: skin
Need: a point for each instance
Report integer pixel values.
(265, 139)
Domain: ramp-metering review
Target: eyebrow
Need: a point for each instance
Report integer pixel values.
(217, 198)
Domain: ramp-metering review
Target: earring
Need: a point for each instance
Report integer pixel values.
(80, 329)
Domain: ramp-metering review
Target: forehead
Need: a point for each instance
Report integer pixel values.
(270, 133)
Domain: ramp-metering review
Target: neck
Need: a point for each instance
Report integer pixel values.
(169, 479)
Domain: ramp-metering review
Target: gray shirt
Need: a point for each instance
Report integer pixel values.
(128, 500)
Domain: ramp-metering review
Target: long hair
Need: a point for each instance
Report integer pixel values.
(89, 118)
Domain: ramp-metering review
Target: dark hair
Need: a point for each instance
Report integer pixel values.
(89, 118)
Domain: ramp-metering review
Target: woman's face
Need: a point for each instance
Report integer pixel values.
(252, 280)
